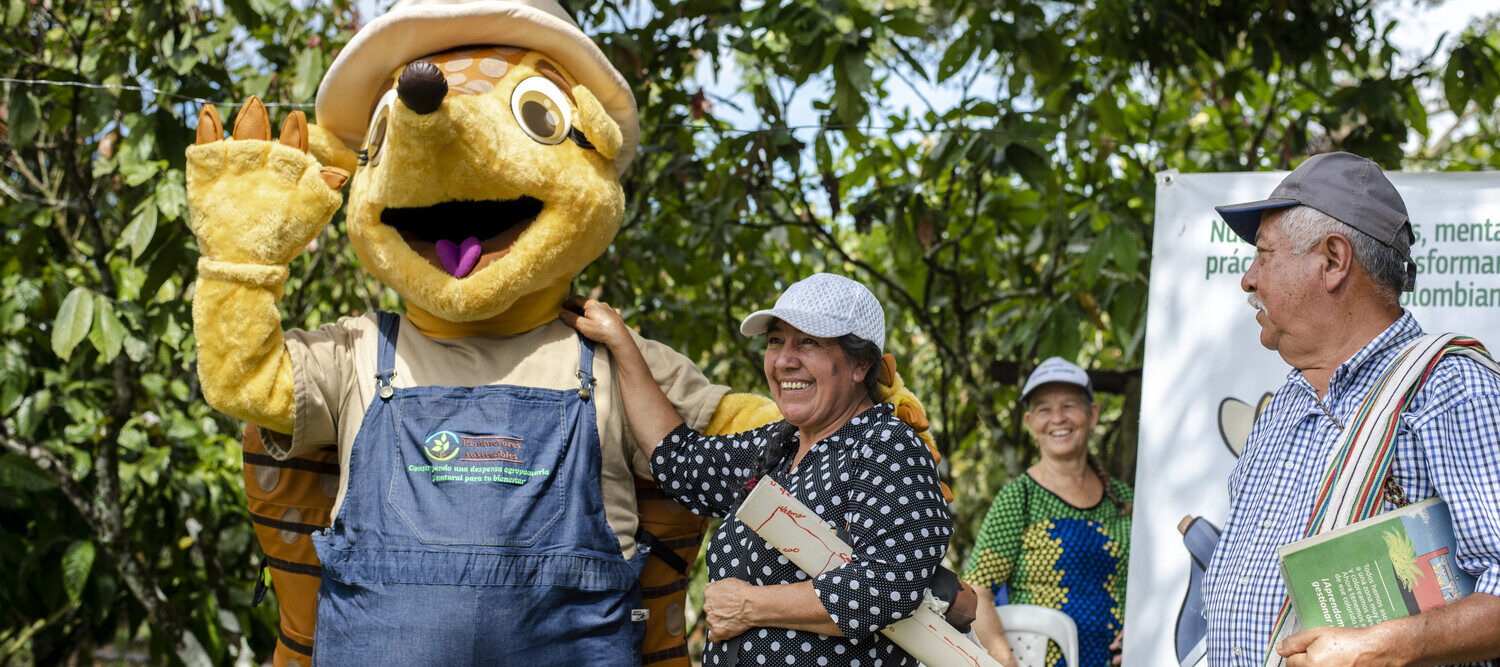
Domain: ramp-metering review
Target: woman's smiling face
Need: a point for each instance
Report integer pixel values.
(1061, 417)
(811, 379)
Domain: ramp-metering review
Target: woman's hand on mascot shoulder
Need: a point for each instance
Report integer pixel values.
(253, 200)
(597, 321)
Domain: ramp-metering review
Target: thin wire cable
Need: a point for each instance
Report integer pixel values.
(143, 89)
(292, 105)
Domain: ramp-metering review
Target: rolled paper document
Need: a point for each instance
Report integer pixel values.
(809, 542)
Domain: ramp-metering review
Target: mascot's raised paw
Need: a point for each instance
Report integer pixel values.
(253, 200)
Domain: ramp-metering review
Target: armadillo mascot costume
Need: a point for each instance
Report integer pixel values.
(470, 454)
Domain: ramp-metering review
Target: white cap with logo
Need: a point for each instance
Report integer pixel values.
(827, 306)
(1059, 370)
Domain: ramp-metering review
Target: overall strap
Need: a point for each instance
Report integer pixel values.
(385, 357)
(586, 379)
(1358, 473)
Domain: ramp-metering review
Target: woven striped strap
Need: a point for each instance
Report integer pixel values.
(1351, 488)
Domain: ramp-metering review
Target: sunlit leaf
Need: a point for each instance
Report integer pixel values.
(142, 228)
(19, 475)
(171, 197)
(108, 332)
(74, 318)
(77, 562)
(15, 10)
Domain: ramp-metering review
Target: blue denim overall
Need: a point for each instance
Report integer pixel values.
(473, 532)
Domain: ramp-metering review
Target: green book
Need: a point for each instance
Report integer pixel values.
(1388, 566)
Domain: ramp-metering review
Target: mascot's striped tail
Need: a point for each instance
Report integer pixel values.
(289, 500)
(674, 534)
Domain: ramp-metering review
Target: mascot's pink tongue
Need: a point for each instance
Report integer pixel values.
(458, 259)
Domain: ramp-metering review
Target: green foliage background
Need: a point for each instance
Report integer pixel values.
(1007, 226)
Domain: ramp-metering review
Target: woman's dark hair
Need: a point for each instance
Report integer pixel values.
(776, 441)
(864, 353)
(1109, 487)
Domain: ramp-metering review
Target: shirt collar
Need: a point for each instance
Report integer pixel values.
(1369, 359)
(849, 434)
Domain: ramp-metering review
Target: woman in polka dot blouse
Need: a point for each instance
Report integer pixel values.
(848, 458)
(1059, 535)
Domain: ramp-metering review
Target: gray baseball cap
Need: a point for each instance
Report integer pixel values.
(827, 306)
(1347, 187)
(1057, 370)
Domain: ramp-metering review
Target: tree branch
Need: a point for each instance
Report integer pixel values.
(57, 470)
(1272, 106)
(137, 578)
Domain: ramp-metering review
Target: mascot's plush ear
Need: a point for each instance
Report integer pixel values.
(597, 126)
(331, 151)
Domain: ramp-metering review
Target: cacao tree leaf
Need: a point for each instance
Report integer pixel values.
(77, 562)
(74, 318)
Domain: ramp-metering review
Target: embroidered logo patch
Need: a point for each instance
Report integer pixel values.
(494, 449)
(453, 457)
(441, 446)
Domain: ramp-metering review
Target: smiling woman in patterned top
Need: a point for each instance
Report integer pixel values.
(1059, 535)
(838, 451)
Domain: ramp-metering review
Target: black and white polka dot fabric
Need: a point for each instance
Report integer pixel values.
(875, 478)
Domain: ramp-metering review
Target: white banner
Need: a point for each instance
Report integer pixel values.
(1205, 371)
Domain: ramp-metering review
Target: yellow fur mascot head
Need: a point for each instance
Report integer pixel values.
(495, 181)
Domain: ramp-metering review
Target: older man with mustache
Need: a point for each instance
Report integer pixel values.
(1332, 258)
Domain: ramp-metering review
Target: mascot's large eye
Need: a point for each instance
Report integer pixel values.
(375, 136)
(542, 110)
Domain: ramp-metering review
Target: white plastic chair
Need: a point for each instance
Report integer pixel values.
(1028, 627)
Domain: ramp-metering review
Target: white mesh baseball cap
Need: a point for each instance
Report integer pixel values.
(1057, 370)
(827, 306)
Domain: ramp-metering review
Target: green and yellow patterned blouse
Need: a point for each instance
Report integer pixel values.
(1035, 548)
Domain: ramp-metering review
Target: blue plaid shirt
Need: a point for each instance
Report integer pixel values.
(1447, 444)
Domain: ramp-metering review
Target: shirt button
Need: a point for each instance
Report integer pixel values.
(1244, 581)
(1265, 523)
(1287, 464)
(1236, 651)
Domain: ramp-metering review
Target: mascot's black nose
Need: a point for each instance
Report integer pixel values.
(422, 87)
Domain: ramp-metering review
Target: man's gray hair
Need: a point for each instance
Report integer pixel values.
(1305, 225)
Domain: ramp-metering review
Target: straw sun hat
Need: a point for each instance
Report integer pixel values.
(415, 28)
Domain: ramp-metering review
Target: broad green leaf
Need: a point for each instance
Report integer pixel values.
(1455, 88)
(1111, 120)
(309, 73)
(142, 228)
(25, 118)
(1093, 260)
(19, 474)
(30, 412)
(957, 54)
(108, 333)
(77, 562)
(136, 348)
(171, 196)
(906, 25)
(1124, 248)
(74, 319)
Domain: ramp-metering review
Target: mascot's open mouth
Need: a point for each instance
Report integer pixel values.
(456, 235)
